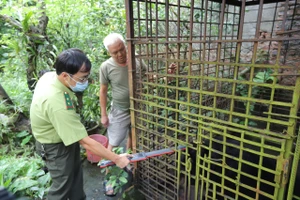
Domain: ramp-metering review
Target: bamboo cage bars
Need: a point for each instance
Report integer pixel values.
(213, 81)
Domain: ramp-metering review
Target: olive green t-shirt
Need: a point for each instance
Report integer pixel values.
(52, 113)
(111, 73)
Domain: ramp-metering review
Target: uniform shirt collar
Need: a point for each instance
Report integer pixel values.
(62, 87)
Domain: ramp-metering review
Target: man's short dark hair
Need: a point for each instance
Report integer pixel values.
(71, 61)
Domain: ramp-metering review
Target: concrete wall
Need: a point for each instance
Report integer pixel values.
(290, 54)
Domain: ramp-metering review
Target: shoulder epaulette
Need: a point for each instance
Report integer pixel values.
(69, 104)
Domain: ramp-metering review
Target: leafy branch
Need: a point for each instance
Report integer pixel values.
(116, 176)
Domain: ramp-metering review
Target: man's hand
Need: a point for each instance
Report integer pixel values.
(172, 68)
(105, 121)
(122, 161)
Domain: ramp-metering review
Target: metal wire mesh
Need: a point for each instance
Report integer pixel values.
(213, 83)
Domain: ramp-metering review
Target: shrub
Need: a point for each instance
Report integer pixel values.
(23, 176)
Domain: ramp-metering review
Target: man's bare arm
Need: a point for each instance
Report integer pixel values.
(103, 98)
(99, 150)
(103, 102)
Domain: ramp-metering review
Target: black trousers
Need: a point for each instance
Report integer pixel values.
(64, 165)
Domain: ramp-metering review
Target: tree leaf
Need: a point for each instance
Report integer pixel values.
(123, 180)
(26, 140)
(22, 183)
(113, 177)
(22, 134)
(25, 23)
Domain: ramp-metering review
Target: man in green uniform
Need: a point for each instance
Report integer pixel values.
(57, 128)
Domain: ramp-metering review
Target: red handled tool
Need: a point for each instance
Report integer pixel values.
(143, 156)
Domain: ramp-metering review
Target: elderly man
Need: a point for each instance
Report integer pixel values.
(57, 128)
(114, 71)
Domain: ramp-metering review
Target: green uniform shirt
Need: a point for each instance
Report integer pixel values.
(52, 113)
(111, 73)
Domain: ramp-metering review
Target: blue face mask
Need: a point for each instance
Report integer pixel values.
(79, 87)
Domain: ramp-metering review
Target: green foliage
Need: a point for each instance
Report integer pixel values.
(264, 76)
(243, 89)
(116, 176)
(24, 177)
(5, 133)
(260, 77)
(80, 24)
(84, 24)
(18, 91)
(90, 111)
(72, 24)
(16, 143)
(25, 22)
(9, 115)
(24, 137)
(26, 47)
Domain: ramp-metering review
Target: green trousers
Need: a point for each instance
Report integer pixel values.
(64, 165)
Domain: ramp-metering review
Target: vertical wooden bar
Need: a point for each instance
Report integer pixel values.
(221, 24)
(253, 61)
(131, 67)
(238, 52)
(167, 34)
(177, 97)
(293, 112)
(190, 57)
(156, 55)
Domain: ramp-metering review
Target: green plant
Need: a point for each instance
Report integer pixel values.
(4, 133)
(7, 118)
(23, 176)
(116, 176)
(71, 24)
(90, 111)
(8, 135)
(23, 138)
(15, 85)
(243, 89)
(260, 77)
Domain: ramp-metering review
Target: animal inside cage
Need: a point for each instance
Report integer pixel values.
(222, 79)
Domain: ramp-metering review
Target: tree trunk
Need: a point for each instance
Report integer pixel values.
(34, 43)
